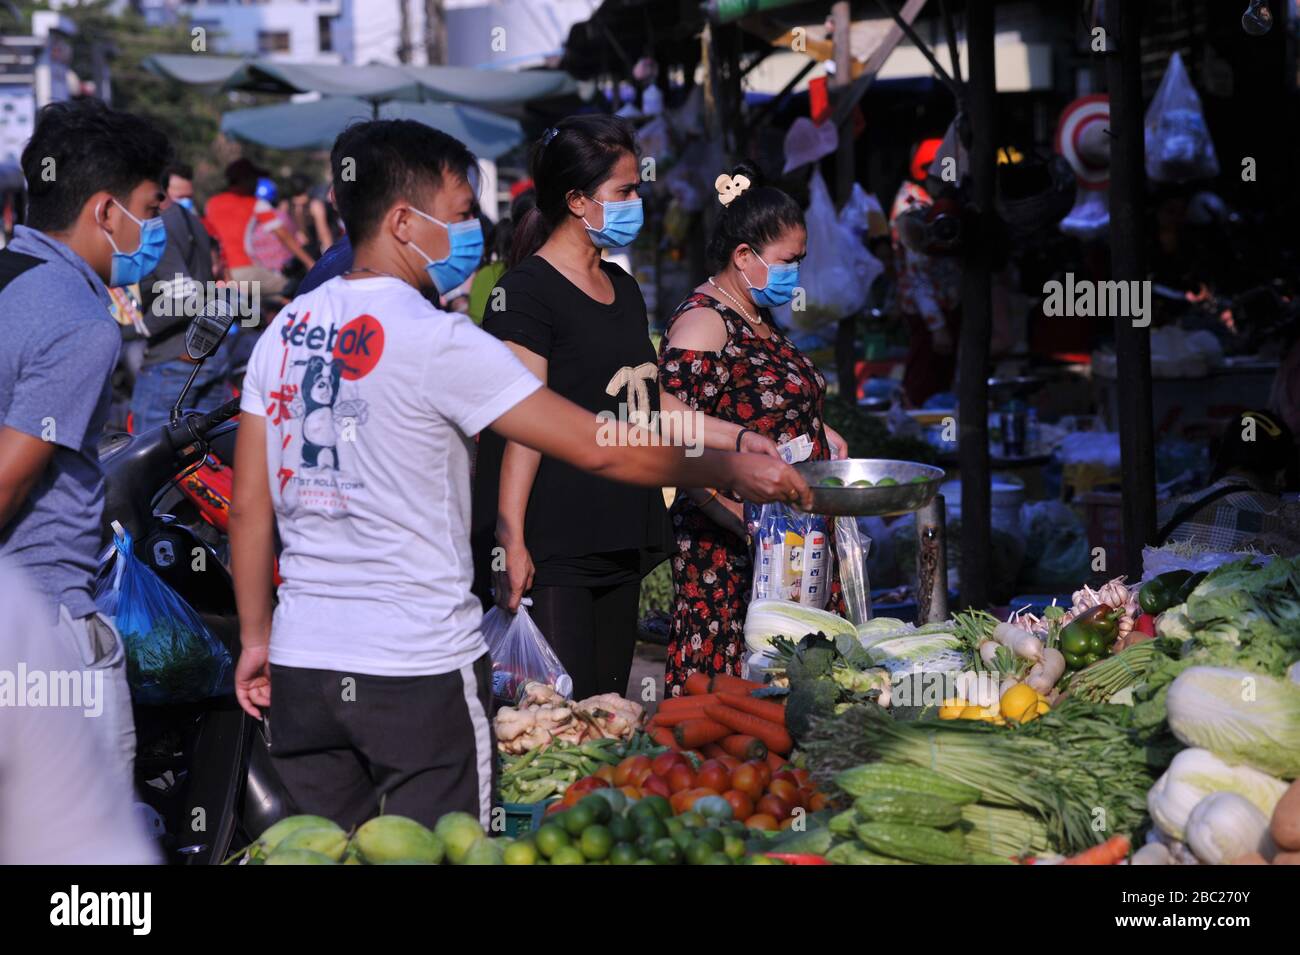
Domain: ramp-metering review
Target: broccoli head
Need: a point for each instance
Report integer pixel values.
(810, 699)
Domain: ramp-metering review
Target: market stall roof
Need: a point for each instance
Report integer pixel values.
(316, 124)
(376, 82)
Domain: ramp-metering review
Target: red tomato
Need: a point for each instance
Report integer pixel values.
(713, 775)
(625, 770)
(726, 759)
(653, 785)
(553, 808)
(639, 777)
(663, 763)
(801, 775)
(762, 821)
(774, 806)
(788, 776)
(784, 789)
(787, 823)
(764, 771)
(748, 780)
(817, 802)
(631, 792)
(681, 778)
(606, 773)
(587, 784)
(742, 807)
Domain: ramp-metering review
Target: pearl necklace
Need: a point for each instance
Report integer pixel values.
(736, 302)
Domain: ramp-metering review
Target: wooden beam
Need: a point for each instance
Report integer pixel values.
(1132, 344)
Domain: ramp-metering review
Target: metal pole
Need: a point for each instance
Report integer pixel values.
(977, 312)
(846, 333)
(932, 562)
(1132, 343)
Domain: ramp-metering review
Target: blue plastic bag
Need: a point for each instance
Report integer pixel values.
(171, 655)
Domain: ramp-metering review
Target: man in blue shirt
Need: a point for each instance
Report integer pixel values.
(93, 187)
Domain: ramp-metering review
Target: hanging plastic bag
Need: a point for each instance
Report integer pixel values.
(838, 270)
(520, 653)
(851, 557)
(1178, 143)
(171, 655)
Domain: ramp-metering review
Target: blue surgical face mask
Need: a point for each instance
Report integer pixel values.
(623, 221)
(782, 279)
(130, 267)
(186, 202)
(464, 254)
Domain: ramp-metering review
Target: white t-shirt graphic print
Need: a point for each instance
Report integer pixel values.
(371, 398)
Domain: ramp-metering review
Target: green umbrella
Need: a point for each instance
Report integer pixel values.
(316, 124)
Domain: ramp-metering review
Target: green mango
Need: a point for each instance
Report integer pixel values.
(392, 838)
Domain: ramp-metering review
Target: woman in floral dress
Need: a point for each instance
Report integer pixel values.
(721, 355)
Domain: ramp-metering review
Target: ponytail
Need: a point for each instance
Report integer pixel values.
(530, 235)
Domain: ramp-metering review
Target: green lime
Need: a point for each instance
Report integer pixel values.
(645, 843)
(674, 825)
(550, 839)
(683, 839)
(919, 479)
(698, 852)
(577, 819)
(718, 858)
(733, 846)
(712, 838)
(624, 854)
(623, 829)
(887, 482)
(646, 861)
(691, 819)
(665, 852)
(662, 808)
(654, 827)
(596, 842)
(861, 482)
(568, 856)
(832, 482)
(598, 806)
(522, 852)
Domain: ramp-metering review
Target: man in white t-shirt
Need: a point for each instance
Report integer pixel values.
(360, 408)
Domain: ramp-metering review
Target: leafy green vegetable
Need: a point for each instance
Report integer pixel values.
(1244, 717)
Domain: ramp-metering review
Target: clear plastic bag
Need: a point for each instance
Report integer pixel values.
(851, 556)
(1178, 143)
(520, 653)
(792, 556)
(171, 655)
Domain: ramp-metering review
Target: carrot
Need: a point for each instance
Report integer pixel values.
(726, 683)
(744, 748)
(674, 703)
(765, 709)
(712, 751)
(1111, 852)
(692, 734)
(663, 737)
(697, 684)
(679, 716)
(774, 736)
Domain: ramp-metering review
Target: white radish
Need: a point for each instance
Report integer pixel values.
(1046, 671)
(1029, 648)
(989, 652)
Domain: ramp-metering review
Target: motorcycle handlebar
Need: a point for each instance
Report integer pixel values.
(219, 415)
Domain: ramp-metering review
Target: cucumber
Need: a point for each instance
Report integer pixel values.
(897, 805)
(850, 853)
(912, 779)
(842, 823)
(914, 843)
(988, 858)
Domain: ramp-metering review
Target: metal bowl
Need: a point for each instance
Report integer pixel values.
(870, 501)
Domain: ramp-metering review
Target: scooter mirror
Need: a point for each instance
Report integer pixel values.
(208, 328)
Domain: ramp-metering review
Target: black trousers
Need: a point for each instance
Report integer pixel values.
(593, 632)
(347, 745)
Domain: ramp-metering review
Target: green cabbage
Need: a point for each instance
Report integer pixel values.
(768, 618)
(1243, 717)
(920, 652)
(1195, 774)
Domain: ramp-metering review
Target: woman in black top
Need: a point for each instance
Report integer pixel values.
(576, 543)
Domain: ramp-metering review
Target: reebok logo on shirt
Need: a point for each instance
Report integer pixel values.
(358, 344)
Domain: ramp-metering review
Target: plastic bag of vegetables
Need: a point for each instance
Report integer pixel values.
(1241, 716)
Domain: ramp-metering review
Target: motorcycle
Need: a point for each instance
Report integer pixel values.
(203, 770)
